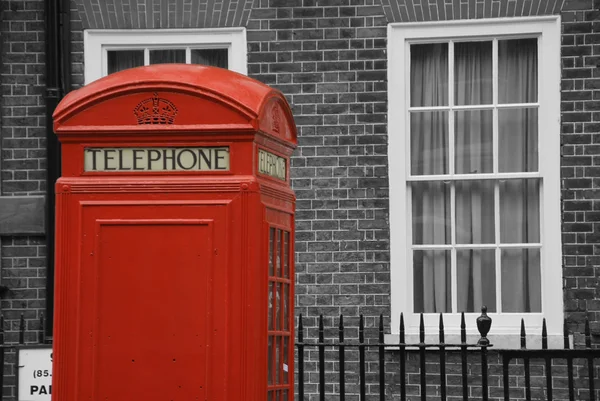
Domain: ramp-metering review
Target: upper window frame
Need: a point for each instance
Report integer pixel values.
(400, 37)
(96, 42)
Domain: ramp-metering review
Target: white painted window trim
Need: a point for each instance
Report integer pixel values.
(96, 42)
(505, 327)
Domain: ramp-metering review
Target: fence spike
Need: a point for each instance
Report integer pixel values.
(566, 335)
(22, 329)
(544, 334)
(42, 337)
(523, 335)
(402, 330)
(588, 334)
(341, 328)
(300, 329)
(422, 330)
(361, 329)
(321, 329)
(441, 328)
(463, 328)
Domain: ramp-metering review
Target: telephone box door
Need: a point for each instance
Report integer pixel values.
(151, 267)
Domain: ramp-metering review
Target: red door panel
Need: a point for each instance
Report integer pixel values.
(152, 270)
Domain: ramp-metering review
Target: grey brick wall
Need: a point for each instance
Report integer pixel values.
(446, 10)
(580, 117)
(146, 14)
(329, 59)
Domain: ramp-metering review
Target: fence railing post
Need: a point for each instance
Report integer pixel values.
(2, 355)
(588, 345)
(484, 323)
(342, 356)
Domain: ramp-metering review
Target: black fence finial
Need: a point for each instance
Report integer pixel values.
(484, 323)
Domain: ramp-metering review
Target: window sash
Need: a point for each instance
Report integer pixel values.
(98, 41)
(400, 36)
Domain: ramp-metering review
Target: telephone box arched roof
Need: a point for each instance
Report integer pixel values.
(191, 98)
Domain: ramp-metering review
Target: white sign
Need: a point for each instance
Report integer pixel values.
(157, 159)
(271, 164)
(35, 374)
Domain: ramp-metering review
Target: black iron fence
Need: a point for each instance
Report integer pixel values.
(370, 368)
(373, 369)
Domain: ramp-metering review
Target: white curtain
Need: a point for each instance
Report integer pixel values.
(474, 200)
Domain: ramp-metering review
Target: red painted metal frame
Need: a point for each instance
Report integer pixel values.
(215, 107)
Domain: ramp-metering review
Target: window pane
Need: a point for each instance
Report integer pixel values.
(517, 71)
(271, 250)
(429, 75)
(286, 313)
(277, 306)
(167, 56)
(286, 254)
(270, 355)
(474, 142)
(476, 281)
(475, 212)
(277, 252)
(429, 143)
(212, 57)
(286, 367)
(518, 140)
(521, 280)
(520, 211)
(277, 360)
(432, 284)
(119, 60)
(473, 73)
(431, 213)
(285, 396)
(271, 305)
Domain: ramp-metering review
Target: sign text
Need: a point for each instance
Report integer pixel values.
(271, 164)
(157, 159)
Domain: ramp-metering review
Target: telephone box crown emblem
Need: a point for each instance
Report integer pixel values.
(155, 110)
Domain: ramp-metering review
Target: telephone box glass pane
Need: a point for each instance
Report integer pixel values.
(212, 57)
(167, 56)
(278, 253)
(270, 359)
(271, 250)
(270, 396)
(286, 368)
(286, 254)
(286, 313)
(119, 60)
(278, 306)
(277, 359)
(285, 395)
(271, 299)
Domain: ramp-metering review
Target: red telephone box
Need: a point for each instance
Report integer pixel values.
(174, 239)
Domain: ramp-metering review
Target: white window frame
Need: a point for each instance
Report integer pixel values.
(96, 43)
(505, 326)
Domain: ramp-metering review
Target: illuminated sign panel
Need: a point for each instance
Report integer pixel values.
(271, 164)
(157, 159)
